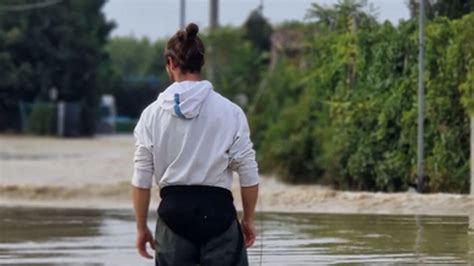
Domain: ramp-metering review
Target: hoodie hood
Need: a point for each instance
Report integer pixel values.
(184, 99)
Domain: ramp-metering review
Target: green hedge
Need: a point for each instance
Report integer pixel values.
(41, 119)
(349, 116)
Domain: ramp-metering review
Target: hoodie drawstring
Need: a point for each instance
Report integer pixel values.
(177, 110)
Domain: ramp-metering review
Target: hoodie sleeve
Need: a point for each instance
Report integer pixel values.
(143, 157)
(242, 154)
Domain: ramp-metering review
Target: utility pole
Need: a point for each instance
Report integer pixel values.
(421, 99)
(182, 13)
(471, 115)
(213, 14)
(213, 25)
(472, 156)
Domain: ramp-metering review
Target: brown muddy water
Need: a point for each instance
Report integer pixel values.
(35, 236)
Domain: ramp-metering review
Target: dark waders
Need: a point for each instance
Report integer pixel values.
(197, 225)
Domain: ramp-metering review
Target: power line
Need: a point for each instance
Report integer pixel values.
(26, 7)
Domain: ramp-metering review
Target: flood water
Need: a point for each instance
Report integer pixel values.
(106, 237)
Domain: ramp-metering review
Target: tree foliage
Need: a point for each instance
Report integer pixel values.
(258, 31)
(453, 9)
(236, 63)
(61, 46)
(139, 71)
(349, 115)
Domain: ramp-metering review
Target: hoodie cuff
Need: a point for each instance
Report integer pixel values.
(249, 178)
(142, 179)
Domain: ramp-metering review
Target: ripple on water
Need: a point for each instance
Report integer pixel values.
(42, 236)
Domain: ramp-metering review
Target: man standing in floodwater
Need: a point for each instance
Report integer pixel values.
(191, 139)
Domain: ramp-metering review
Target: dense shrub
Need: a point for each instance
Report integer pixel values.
(349, 116)
(41, 119)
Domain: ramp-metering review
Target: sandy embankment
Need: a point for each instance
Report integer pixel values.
(95, 173)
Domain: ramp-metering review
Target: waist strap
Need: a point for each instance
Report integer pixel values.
(201, 191)
(197, 213)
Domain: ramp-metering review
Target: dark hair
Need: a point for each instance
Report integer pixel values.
(186, 49)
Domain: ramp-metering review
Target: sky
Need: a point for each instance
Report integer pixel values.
(157, 19)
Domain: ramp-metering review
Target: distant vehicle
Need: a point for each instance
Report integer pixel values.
(106, 124)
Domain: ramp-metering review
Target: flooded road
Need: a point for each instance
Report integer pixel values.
(96, 173)
(35, 236)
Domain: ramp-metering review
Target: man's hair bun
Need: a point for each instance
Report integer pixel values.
(186, 49)
(191, 31)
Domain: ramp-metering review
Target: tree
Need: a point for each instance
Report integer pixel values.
(141, 74)
(131, 56)
(239, 63)
(258, 31)
(311, 125)
(452, 9)
(59, 46)
(345, 12)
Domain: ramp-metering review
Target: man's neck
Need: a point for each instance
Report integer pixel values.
(189, 77)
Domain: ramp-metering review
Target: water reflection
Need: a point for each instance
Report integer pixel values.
(306, 239)
(419, 236)
(58, 237)
(471, 220)
(36, 225)
(471, 235)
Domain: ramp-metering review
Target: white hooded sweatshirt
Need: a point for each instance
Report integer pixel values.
(191, 135)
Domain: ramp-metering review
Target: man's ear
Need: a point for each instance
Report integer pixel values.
(171, 63)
